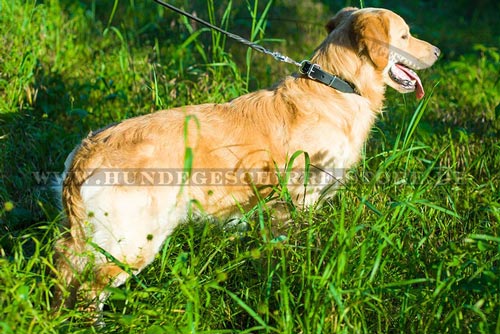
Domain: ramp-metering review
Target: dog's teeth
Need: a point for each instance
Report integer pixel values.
(408, 83)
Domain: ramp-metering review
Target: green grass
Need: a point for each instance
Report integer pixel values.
(410, 244)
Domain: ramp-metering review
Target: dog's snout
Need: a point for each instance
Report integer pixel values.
(436, 50)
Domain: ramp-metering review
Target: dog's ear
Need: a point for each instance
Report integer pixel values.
(371, 32)
(340, 17)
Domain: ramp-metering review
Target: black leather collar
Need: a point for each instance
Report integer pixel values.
(314, 71)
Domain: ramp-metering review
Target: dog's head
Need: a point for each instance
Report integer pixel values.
(382, 38)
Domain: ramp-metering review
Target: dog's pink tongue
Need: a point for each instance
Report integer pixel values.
(419, 89)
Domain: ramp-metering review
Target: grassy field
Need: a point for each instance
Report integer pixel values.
(410, 244)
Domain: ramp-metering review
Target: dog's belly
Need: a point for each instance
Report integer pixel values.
(131, 222)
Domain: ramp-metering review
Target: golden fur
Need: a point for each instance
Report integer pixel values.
(257, 131)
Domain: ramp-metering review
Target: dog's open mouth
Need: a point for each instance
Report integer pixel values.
(407, 79)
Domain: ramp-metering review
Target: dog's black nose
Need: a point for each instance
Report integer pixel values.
(437, 52)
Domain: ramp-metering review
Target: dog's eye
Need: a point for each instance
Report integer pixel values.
(405, 36)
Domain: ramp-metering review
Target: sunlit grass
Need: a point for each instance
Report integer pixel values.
(409, 244)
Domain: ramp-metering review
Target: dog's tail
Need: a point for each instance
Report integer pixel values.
(68, 260)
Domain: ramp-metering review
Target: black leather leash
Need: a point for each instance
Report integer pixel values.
(312, 71)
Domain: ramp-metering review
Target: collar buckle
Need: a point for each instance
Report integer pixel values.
(308, 68)
(314, 72)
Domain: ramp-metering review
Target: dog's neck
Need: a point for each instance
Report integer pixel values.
(342, 60)
(315, 72)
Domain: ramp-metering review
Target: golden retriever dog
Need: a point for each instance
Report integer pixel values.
(128, 186)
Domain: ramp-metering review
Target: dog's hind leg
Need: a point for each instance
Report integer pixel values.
(93, 293)
(69, 267)
(82, 282)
